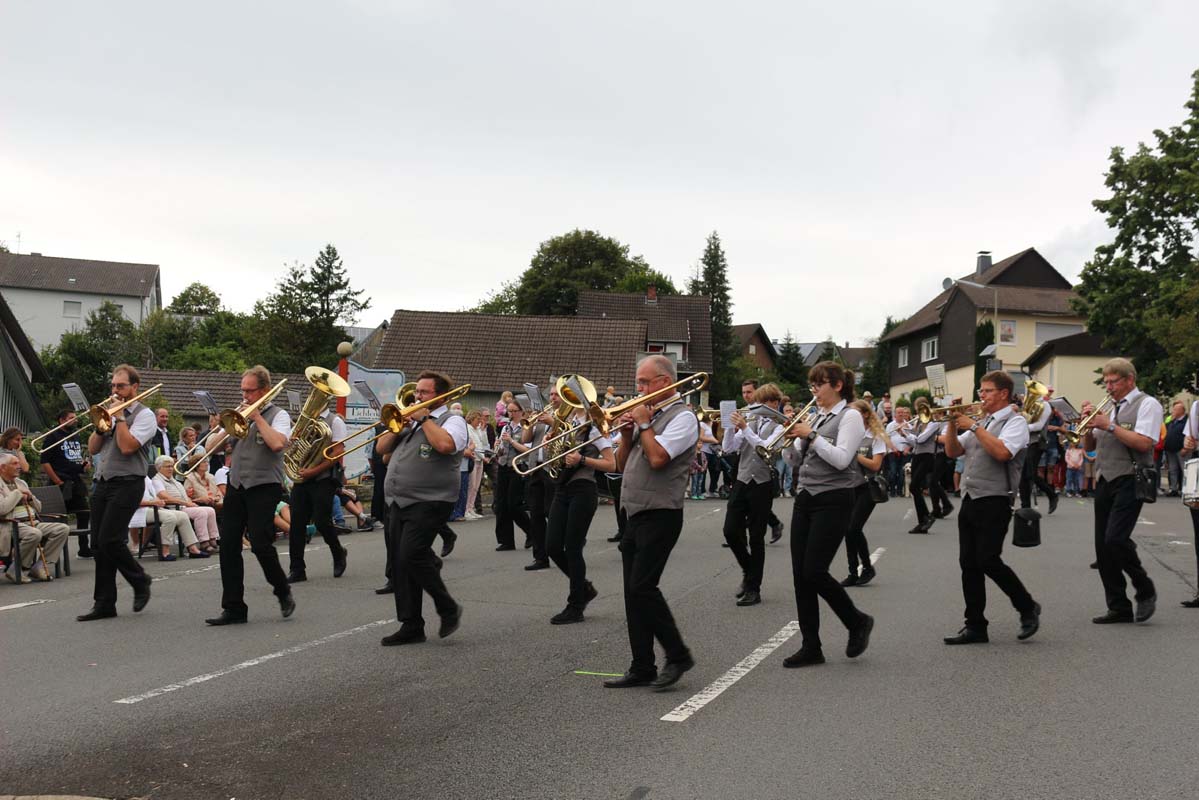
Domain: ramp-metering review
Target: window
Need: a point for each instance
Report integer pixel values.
(654, 348)
(753, 350)
(72, 308)
(928, 349)
(903, 356)
(1007, 331)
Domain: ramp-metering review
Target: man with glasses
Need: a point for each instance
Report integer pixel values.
(509, 486)
(120, 481)
(254, 489)
(1124, 443)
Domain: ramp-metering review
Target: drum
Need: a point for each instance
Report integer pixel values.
(1190, 483)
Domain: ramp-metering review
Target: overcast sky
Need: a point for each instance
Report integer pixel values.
(850, 158)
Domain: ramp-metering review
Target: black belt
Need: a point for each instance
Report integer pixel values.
(122, 479)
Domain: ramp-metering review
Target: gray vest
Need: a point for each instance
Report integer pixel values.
(863, 450)
(585, 473)
(114, 463)
(1112, 459)
(816, 475)
(750, 467)
(417, 473)
(255, 464)
(983, 476)
(507, 452)
(928, 446)
(645, 488)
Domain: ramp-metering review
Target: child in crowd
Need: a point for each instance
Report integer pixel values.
(1088, 473)
(1075, 458)
(699, 470)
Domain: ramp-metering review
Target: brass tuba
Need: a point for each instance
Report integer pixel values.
(1034, 400)
(311, 434)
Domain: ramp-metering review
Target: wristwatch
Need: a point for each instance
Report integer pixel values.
(644, 426)
(811, 437)
(1111, 427)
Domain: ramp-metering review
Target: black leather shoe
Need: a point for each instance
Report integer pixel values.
(1053, 503)
(1030, 623)
(968, 636)
(867, 575)
(616, 538)
(946, 510)
(97, 612)
(297, 577)
(628, 680)
(851, 580)
(403, 637)
(339, 563)
(287, 605)
(567, 616)
(918, 529)
(504, 547)
(1094, 565)
(591, 594)
(528, 543)
(741, 590)
(140, 599)
(803, 657)
(670, 674)
(450, 623)
(859, 637)
(750, 598)
(85, 553)
(447, 543)
(386, 588)
(1113, 617)
(776, 532)
(226, 618)
(1145, 608)
(536, 565)
(1192, 603)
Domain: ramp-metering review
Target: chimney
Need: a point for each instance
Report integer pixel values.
(983, 263)
(651, 295)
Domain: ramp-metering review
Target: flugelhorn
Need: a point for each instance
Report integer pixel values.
(101, 415)
(394, 416)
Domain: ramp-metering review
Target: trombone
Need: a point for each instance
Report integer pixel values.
(101, 416)
(604, 419)
(775, 444)
(394, 416)
(1075, 436)
(575, 393)
(234, 422)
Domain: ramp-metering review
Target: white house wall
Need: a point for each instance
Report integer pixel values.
(41, 312)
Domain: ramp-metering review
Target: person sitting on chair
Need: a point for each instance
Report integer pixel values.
(41, 542)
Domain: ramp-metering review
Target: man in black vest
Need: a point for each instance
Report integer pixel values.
(254, 489)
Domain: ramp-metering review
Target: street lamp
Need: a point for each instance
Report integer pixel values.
(949, 282)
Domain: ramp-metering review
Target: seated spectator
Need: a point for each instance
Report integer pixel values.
(10, 443)
(282, 518)
(172, 522)
(186, 442)
(41, 542)
(349, 501)
(202, 488)
(203, 518)
(221, 478)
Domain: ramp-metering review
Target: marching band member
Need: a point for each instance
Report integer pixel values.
(422, 487)
(312, 501)
(923, 440)
(822, 510)
(994, 450)
(869, 459)
(1036, 447)
(254, 489)
(1189, 445)
(509, 486)
(1123, 441)
(749, 506)
(655, 456)
(539, 487)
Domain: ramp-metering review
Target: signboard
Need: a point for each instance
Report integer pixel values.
(937, 383)
(207, 401)
(75, 395)
(362, 407)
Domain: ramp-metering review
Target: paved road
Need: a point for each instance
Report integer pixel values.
(313, 707)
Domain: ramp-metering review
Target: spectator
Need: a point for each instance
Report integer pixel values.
(1088, 473)
(172, 522)
(41, 542)
(349, 501)
(711, 447)
(282, 521)
(202, 519)
(478, 441)
(162, 439)
(465, 465)
(699, 469)
(490, 466)
(202, 488)
(1075, 458)
(501, 408)
(187, 440)
(1172, 446)
(64, 466)
(10, 443)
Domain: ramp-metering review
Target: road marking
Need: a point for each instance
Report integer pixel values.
(23, 605)
(877, 554)
(1143, 521)
(907, 515)
(253, 662)
(717, 687)
(599, 674)
(1172, 541)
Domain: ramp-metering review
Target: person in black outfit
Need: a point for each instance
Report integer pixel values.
(312, 501)
(64, 466)
(378, 465)
(509, 486)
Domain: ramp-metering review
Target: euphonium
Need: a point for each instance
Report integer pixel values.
(1034, 400)
(311, 434)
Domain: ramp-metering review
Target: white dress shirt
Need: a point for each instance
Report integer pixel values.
(852, 430)
(1014, 434)
(1149, 415)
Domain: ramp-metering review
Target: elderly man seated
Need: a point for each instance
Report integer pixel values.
(41, 542)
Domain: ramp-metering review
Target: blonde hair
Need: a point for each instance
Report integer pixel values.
(870, 418)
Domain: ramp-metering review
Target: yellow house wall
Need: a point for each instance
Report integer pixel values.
(1072, 377)
(961, 384)
(1013, 355)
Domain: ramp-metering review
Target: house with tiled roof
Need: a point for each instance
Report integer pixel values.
(19, 368)
(179, 387)
(51, 295)
(754, 344)
(1024, 295)
(677, 325)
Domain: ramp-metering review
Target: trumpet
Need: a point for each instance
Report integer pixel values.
(1075, 436)
(775, 444)
(101, 415)
(394, 416)
(943, 413)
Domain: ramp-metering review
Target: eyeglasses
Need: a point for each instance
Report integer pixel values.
(120, 385)
(815, 387)
(648, 381)
(1112, 381)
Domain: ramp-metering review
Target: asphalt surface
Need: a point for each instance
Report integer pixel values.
(498, 709)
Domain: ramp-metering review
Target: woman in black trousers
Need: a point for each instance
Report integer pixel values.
(868, 461)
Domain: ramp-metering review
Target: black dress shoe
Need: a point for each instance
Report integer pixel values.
(590, 593)
(297, 577)
(1192, 603)
(851, 580)
(804, 657)
(200, 554)
(615, 538)
(670, 674)
(1145, 608)
(1053, 503)
(386, 588)
(741, 590)
(85, 553)
(859, 637)
(867, 575)
(724, 544)
(339, 563)
(226, 618)
(528, 543)
(1094, 565)
(287, 605)
(567, 616)
(946, 510)
(776, 532)
(447, 543)
(403, 637)
(628, 680)
(504, 547)
(750, 598)
(1030, 623)
(140, 599)
(1113, 617)
(97, 612)
(450, 623)
(918, 529)
(536, 565)
(968, 636)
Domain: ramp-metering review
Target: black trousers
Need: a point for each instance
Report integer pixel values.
(714, 471)
(923, 477)
(1195, 526)
(1116, 513)
(857, 550)
(252, 511)
(311, 501)
(509, 506)
(539, 497)
(746, 515)
(644, 550)
(570, 519)
(74, 497)
(1030, 475)
(415, 568)
(622, 518)
(113, 504)
(982, 527)
(818, 524)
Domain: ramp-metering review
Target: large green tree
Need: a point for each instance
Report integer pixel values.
(1139, 291)
(196, 299)
(713, 280)
(566, 265)
(641, 276)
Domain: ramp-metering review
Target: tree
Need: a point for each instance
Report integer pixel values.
(641, 276)
(565, 265)
(87, 356)
(876, 375)
(714, 282)
(790, 364)
(197, 300)
(326, 288)
(1138, 291)
(501, 301)
(829, 351)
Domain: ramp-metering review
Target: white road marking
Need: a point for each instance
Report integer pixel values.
(253, 662)
(1143, 521)
(1172, 541)
(908, 515)
(717, 687)
(23, 605)
(877, 554)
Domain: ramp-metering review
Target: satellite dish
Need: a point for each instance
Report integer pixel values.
(945, 284)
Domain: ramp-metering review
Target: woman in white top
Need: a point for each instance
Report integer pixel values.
(170, 490)
(869, 460)
(478, 441)
(172, 522)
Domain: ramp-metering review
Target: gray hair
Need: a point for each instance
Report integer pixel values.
(7, 457)
(163, 459)
(663, 363)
